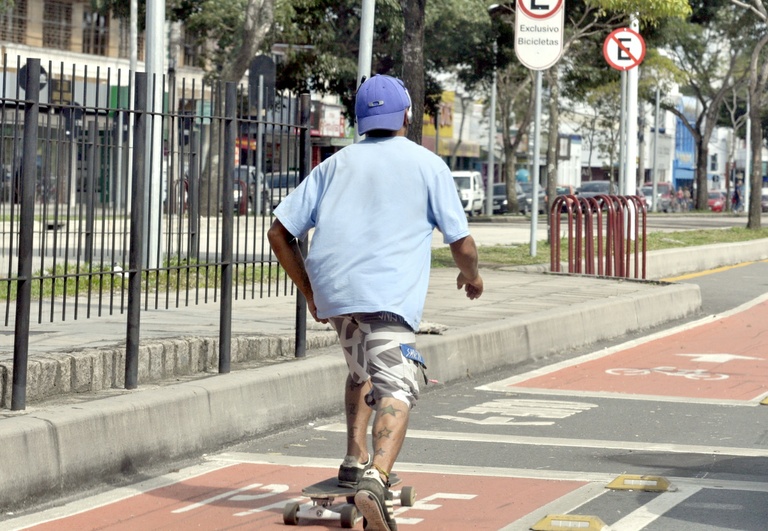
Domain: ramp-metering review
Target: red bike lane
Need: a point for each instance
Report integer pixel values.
(253, 495)
(718, 358)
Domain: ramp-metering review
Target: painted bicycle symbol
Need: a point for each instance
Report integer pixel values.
(690, 374)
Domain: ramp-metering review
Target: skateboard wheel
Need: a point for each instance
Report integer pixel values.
(407, 496)
(348, 516)
(290, 513)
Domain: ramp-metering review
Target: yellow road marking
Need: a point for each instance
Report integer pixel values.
(709, 271)
(644, 483)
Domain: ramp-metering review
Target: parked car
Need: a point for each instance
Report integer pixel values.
(472, 193)
(764, 200)
(646, 194)
(665, 195)
(593, 188)
(280, 185)
(716, 201)
(500, 201)
(542, 197)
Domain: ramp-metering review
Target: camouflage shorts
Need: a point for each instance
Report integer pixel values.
(374, 345)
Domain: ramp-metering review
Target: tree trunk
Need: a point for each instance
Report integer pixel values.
(756, 179)
(413, 62)
(510, 151)
(702, 166)
(553, 137)
(210, 184)
(258, 19)
(758, 79)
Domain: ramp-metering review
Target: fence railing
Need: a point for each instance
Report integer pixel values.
(115, 202)
(606, 235)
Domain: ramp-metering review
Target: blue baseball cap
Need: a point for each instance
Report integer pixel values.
(381, 103)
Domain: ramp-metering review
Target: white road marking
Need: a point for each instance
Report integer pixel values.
(621, 396)
(505, 411)
(459, 470)
(651, 511)
(421, 468)
(636, 446)
(717, 358)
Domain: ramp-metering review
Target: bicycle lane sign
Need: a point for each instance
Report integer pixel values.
(723, 358)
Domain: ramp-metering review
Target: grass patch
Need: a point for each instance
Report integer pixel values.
(518, 255)
(74, 280)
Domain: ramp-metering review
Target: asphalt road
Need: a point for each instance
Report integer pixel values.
(712, 446)
(679, 404)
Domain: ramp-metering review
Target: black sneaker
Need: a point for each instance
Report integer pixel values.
(351, 471)
(374, 500)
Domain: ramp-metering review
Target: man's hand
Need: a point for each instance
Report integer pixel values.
(464, 253)
(473, 288)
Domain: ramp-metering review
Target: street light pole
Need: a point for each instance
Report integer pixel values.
(366, 45)
(491, 141)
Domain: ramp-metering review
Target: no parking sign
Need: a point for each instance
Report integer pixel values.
(624, 49)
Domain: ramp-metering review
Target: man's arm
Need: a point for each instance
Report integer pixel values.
(287, 251)
(464, 253)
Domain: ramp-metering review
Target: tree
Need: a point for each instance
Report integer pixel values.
(604, 101)
(758, 80)
(707, 57)
(328, 31)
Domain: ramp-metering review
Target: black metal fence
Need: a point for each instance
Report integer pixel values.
(123, 193)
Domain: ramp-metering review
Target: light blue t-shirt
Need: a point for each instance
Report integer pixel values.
(374, 206)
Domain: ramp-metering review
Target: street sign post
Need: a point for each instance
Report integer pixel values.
(539, 32)
(624, 49)
(538, 46)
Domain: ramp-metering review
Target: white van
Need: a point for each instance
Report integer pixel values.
(470, 187)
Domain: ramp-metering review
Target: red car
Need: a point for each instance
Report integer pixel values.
(716, 201)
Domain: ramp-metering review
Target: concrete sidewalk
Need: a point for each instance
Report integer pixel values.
(94, 430)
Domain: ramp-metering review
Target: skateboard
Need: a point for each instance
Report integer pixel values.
(323, 505)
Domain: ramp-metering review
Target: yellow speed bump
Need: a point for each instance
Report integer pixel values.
(645, 483)
(560, 522)
(764, 401)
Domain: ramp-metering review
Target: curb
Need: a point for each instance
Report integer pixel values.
(100, 369)
(56, 449)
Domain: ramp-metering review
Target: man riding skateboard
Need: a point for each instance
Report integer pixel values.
(373, 207)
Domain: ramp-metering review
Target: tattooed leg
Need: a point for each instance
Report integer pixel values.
(389, 427)
(358, 416)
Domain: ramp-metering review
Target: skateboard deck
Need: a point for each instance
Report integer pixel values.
(330, 488)
(323, 505)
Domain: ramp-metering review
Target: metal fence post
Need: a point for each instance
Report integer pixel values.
(136, 240)
(26, 234)
(305, 163)
(193, 194)
(90, 201)
(227, 223)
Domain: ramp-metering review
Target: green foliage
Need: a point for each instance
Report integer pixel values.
(649, 11)
(457, 33)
